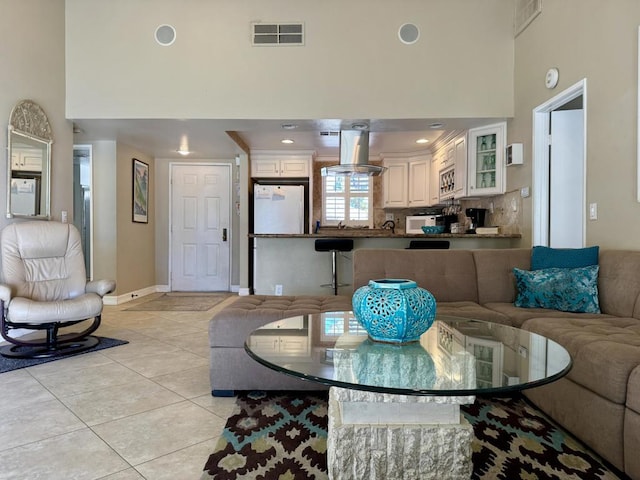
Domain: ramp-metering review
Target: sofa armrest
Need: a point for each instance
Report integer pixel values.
(101, 287)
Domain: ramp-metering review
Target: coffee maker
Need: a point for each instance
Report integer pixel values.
(477, 218)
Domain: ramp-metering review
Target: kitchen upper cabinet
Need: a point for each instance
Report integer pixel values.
(450, 176)
(396, 193)
(487, 170)
(419, 182)
(434, 180)
(265, 165)
(26, 160)
(280, 344)
(460, 161)
(406, 182)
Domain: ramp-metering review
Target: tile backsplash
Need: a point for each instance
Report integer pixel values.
(506, 212)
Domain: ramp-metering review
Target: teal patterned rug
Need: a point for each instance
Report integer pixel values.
(282, 435)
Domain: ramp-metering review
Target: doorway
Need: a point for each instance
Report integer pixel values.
(559, 169)
(82, 201)
(200, 240)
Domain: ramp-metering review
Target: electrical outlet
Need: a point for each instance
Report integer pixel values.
(389, 216)
(278, 290)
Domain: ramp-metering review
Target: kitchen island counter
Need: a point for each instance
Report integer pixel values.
(374, 233)
(290, 264)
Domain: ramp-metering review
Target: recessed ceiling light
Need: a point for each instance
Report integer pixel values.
(289, 126)
(183, 149)
(436, 125)
(360, 126)
(422, 140)
(287, 140)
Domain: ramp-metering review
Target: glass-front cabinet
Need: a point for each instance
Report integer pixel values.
(486, 174)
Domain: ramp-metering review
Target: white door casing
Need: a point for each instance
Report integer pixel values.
(200, 227)
(541, 158)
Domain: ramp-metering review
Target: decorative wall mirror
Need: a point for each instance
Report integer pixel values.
(29, 162)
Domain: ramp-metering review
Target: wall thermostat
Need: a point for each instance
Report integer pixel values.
(551, 80)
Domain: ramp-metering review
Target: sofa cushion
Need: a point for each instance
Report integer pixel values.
(564, 289)
(495, 276)
(633, 390)
(604, 350)
(231, 326)
(619, 283)
(546, 257)
(519, 315)
(450, 275)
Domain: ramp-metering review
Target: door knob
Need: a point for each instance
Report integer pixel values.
(224, 234)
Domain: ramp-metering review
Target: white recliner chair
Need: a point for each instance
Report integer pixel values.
(44, 288)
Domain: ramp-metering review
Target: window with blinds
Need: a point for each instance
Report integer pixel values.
(337, 323)
(347, 199)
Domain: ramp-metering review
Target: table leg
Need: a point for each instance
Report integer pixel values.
(388, 437)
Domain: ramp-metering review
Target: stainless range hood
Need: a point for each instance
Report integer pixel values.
(354, 156)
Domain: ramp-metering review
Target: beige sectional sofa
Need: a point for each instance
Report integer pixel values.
(598, 401)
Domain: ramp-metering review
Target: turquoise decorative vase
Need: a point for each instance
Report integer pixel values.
(394, 310)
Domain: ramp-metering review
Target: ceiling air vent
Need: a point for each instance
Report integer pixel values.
(329, 134)
(525, 12)
(277, 34)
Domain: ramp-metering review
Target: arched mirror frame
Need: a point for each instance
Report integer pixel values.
(29, 124)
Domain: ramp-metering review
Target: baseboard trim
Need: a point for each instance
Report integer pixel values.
(235, 288)
(243, 292)
(127, 297)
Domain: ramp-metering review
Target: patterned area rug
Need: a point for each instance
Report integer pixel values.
(282, 436)
(181, 302)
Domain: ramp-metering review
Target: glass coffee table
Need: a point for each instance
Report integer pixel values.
(394, 410)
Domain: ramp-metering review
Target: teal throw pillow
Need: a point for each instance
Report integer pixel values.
(564, 289)
(546, 257)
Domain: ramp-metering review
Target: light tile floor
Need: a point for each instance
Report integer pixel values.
(138, 411)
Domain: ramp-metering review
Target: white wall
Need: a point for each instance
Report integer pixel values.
(104, 212)
(351, 66)
(32, 54)
(598, 41)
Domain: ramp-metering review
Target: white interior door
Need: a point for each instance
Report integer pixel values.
(567, 180)
(200, 227)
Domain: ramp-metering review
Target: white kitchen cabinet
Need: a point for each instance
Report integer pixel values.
(460, 161)
(451, 173)
(280, 165)
(396, 193)
(406, 182)
(486, 167)
(280, 344)
(434, 180)
(26, 160)
(488, 355)
(419, 183)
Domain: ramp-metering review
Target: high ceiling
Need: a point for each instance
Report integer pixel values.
(207, 139)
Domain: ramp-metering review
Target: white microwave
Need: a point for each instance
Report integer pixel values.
(414, 223)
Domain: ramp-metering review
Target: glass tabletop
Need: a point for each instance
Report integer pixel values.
(456, 356)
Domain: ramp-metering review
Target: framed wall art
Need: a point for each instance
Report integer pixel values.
(140, 203)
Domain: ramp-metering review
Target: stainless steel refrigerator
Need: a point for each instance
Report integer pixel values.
(278, 209)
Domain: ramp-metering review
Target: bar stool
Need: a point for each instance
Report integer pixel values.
(334, 245)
